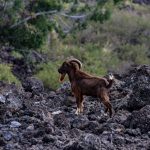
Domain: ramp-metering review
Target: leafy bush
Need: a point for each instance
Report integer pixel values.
(46, 5)
(133, 53)
(15, 54)
(6, 74)
(101, 15)
(125, 30)
(117, 1)
(49, 75)
(31, 35)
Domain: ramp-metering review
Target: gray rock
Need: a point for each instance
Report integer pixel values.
(2, 98)
(15, 124)
(60, 120)
(2, 142)
(89, 142)
(133, 132)
(30, 127)
(139, 119)
(14, 103)
(86, 142)
(7, 135)
(134, 92)
(48, 139)
(139, 98)
(64, 88)
(80, 122)
(142, 2)
(34, 85)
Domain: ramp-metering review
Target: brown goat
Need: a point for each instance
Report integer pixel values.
(85, 84)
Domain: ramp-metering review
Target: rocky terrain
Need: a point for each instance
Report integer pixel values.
(32, 118)
(142, 1)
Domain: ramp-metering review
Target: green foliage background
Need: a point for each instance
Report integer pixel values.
(6, 74)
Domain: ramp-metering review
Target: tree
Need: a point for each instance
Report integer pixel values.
(26, 24)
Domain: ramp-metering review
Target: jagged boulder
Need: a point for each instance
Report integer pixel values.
(139, 98)
(139, 119)
(134, 91)
(142, 1)
(86, 142)
(60, 120)
(34, 85)
(138, 80)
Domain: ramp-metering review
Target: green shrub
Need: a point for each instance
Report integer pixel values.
(101, 15)
(117, 1)
(49, 75)
(31, 35)
(16, 54)
(133, 53)
(46, 5)
(6, 74)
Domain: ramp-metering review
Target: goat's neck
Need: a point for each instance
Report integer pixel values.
(72, 75)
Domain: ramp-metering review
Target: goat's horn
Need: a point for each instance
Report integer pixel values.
(77, 61)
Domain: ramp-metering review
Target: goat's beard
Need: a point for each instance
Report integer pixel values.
(62, 76)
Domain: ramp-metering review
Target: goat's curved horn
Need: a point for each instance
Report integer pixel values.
(76, 61)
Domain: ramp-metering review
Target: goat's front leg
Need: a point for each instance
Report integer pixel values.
(81, 104)
(79, 101)
(78, 105)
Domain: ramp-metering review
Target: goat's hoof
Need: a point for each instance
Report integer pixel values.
(105, 114)
(77, 112)
(81, 110)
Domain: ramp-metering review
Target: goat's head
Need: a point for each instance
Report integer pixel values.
(68, 65)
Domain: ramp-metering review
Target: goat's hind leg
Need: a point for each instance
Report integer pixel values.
(103, 95)
(106, 110)
(81, 104)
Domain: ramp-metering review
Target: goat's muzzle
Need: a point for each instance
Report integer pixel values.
(62, 75)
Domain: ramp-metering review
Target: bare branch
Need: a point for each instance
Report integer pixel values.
(62, 22)
(31, 17)
(75, 17)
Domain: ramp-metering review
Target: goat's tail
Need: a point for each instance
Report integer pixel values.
(110, 80)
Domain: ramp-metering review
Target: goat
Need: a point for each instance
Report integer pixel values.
(85, 84)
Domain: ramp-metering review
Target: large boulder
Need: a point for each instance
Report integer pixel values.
(134, 91)
(139, 119)
(80, 122)
(86, 142)
(139, 98)
(34, 85)
(138, 81)
(142, 1)
(61, 121)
